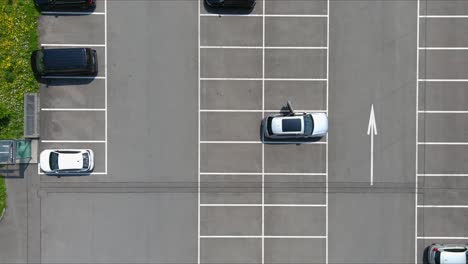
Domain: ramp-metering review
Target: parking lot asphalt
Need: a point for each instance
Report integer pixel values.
(181, 173)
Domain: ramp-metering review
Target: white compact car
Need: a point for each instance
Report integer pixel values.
(292, 125)
(447, 254)
(63, 161)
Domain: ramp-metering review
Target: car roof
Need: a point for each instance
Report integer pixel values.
(70, 161)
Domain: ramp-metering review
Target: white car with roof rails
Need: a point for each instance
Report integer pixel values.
(64, 161)
(447, 254)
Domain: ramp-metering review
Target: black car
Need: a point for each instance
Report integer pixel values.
(46, 5)
(64, 62)
(244, 4)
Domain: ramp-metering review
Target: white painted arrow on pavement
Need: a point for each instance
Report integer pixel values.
(372, 131)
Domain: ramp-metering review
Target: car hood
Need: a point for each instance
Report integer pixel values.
(452, 257)
(44, 160)
(320, 123)
(70, 161)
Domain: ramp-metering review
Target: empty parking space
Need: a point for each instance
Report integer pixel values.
(295, 189)
(442, 222)
(301, 64)
(296, 7)
(231, 63)
(230, 158)
(72, 125)
(230, 95)
(294, 221)
(230, 189)
(443, 64)
(225, 126)
(231, 31)
(444, 32)
(231, 250)
(443, 7)
(442, 159)
(117, 227)
(443, 127)
(230, 220)
(73, 93)
(305, 158)
(443, 96)
(306, 95)
(87, 29)
(296, 31)
(440, 191)
(98, 149)
(294, 250)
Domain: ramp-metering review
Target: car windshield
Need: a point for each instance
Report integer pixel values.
(291, 124)
(53, 161)
(308, 125)
(85, 160)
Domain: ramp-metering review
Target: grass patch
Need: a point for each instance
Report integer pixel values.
(18, 38)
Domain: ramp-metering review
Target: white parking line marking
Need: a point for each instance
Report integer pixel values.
(259, 15)
(443, 48)
(266, 173)
(75, 77)
(105, 87)
(326, 146)
(266, 79)
(74, 109)
(255, 111)
(260, 142)
(263, 146)
(442, 143)
(72, 13)
(442, 206)
(442, 175)
(443, 80)
(73, 141)
(260, 236)
(199, 137)
(92, 173)
(416, 136)
(443, 16)
(72, 45)
(260, 47)
(266, 205)
(442, 238)
(441, 112)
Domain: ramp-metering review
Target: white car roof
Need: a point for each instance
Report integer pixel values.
(277, 125)
(70, 161)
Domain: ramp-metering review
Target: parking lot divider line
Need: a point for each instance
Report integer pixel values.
(230, 142)
(255, 111)
(266, 173)
(105, 86)
(443, 16)
(441, 112)
(74, 109)
(74, 141)
(260, 47)
(266, 205)
(442, 80)
(442, 206)
(260, 142)
(442, 238)
(72, 13)
(263, 146)
(326, 137)
(92, 173)
(261, 15)
(260, 236)
(443, 143)
(442, 175)
(199, 136)
(266, 79)
(416, 135)
(71, 45)
(443, 48)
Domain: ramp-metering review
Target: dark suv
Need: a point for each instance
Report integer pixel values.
(46, 5)
(64, 62)
(244, 4)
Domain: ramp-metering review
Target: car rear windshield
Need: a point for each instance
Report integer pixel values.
(308, 125)
(53, 161)
(291, 125)
(455, 249)
(85, 160)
